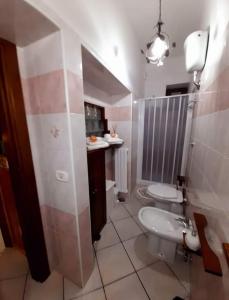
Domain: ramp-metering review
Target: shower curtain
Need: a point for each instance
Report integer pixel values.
(164, 124)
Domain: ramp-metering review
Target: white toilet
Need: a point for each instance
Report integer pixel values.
(164, 196)
(165, 231)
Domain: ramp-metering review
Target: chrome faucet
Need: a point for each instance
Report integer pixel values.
(184, 221)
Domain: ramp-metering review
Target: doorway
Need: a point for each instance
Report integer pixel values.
(21, 223)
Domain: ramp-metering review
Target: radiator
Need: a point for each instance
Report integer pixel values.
(121, 158)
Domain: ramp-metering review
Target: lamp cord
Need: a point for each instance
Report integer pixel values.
(159, 11)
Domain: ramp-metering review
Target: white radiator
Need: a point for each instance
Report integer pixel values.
(121, 158)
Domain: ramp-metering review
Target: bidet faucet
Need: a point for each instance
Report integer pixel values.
(184, 221)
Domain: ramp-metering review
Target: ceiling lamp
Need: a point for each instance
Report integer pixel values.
(158, 48)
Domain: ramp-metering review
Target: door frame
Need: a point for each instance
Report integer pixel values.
(18, 152)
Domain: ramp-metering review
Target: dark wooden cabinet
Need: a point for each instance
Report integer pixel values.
(97, 190)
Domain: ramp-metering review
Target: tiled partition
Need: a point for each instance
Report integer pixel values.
(53, 101)
(73, 72)
(209, 162)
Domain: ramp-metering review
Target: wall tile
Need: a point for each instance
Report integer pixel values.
(45, 93)
(75, 92)
(35, 60)
(87, 256)
(122, 113)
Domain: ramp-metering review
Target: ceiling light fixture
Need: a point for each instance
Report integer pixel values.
(158, 48)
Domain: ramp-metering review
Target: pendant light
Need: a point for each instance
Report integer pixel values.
(158, 48)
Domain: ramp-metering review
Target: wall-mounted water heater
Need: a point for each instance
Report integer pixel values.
(195, 48)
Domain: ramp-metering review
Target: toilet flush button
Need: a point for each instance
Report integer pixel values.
(62, 176)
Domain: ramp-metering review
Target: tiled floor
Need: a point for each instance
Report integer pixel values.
(123, 269)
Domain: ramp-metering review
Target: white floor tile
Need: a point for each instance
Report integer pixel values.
(137, 251)
(119, 213)
(12, 264)
(133, 206)
(109, 237)
(72, 291)
(160, 283)
(127, 288)
(96, 295)
(12, 289)
(139, 224)
(114, 263)
(51, 289)
(127, 228)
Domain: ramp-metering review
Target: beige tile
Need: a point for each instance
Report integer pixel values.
(133, 206)
(127, 288)
(160, 283)
(51, 289)
(137, 251)
(114, 263)
(96, 295)
(12, 263)
(109, 237)
(119, 213)
(127, 228)
(139, 224)
(12, 289)
(72, 291)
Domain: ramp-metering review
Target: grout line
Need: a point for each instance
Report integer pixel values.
(133, 266)
(116, 280)
(26, 279)
(100, 273)
(85, 294)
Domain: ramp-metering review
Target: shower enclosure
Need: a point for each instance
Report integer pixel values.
(163, 132)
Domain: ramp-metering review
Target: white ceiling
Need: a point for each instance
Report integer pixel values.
(181, 17)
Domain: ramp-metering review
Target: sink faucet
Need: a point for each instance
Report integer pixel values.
(184, 221)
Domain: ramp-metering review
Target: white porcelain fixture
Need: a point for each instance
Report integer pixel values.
(165, 231)
(166, 197)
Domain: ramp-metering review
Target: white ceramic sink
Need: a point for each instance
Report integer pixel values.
(162, 223)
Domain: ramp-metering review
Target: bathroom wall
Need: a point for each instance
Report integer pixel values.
(52, 89)
(106, 32)
(157, 78)
(209, 159)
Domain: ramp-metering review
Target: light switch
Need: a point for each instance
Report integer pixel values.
(61, 176)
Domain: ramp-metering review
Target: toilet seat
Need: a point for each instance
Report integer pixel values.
(164, 192)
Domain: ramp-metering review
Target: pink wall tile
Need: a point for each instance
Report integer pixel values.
(122, 113)
(62, 242)
(86, 244)
(45, 93)
(75, 92)
(216, 96)
(69, 264)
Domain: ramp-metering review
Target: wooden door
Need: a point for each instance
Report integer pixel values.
(14, 134)
(97, 189)
(8, 207)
